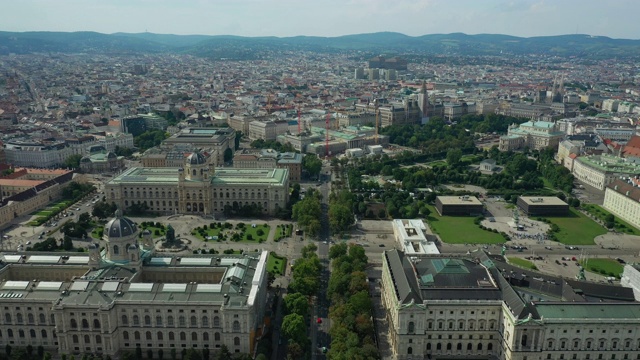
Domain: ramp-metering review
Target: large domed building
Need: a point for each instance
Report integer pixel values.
(122, 292)
(198, 187)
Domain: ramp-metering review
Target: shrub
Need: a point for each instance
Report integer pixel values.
(212, 225)
(260, 232)
(240, 225)
(156, 232)
(249, 237)
(204, 226)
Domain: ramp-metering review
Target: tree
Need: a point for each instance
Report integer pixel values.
(67, 243)
(174, 354)
(454, 156)
(340, 217)
(103, 209)
(7, 350)
(224, 353)
(161, 354)
(40, 351)
(312, 165)
(149, 354)
(296, 303)
(294, 328)
(73, 161)
(138, 353)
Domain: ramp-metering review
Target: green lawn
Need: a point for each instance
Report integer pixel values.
(601, 213)
(577, 228)
(95, 233)
(276, 264)
(288, 230)
(605, 267)
(522, 263)
(153, 229)
(207, 232)
(253, 231)
(460, 230)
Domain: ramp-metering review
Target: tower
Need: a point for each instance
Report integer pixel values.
(196, 168)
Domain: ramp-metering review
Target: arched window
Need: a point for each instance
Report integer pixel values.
(74, 324)
(10, 333)
(125, 335)
(30, 318)
(171, 336)
(524, 340)
(479, 346)
(43, 334)
(43, 319)
(158, 320)
(7, 318)
(136, 335)
(459, 346)
(169, 320)
(124, 320)
(53, 319)
(116, 250)
(194, 336)
(159, 335)
(147, 335)
(438, 346)
(75, 339)
(409, 350)
(85, 324)
(194, 172)
(183, 336)
(87, 339)
(448, 346)
(182, 321)
(205, 336)
(98, 339)
(469, 346)
(216, 321)
(96, 324)
(461, 325)
(147, 320)
(490, 346)
(194, 321)
(216, 336)
(236, 341)
(205, 321)
(236, 326)
(19, 318)
(32, 333)
(411, 327)
(428, 346)
(136, 320)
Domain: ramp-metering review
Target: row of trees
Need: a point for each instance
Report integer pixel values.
(307, 212)
(51, 244)
(75, 190)
(78, 229)
(341, 211)
(305, 283)
(149, 139)
(352, 331)
(272, 144)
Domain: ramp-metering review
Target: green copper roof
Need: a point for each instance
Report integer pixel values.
(588, 311)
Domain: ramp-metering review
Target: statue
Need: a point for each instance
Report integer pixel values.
(171, 236)
(580, 275)
(504, 250)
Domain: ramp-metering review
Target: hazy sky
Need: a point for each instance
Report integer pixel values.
(614, 18)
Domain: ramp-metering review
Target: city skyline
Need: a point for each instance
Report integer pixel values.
(283, 18)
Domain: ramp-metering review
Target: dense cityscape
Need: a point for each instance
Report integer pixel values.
(329, 204)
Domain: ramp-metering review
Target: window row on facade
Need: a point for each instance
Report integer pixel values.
(30, 319)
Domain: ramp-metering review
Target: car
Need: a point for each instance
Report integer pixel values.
(573, 258)
(621, 261)
(324, 349)
(319, 321)
(548, 247)
(381, 245)
(29, 242)
(77, 209)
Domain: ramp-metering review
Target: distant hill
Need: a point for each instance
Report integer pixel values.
(238, 47)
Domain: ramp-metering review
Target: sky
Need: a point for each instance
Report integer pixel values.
(613, 18)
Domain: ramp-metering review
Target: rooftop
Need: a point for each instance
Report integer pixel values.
(459, 200)
(542, 200)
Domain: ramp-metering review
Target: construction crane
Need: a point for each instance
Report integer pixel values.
(299, 131)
